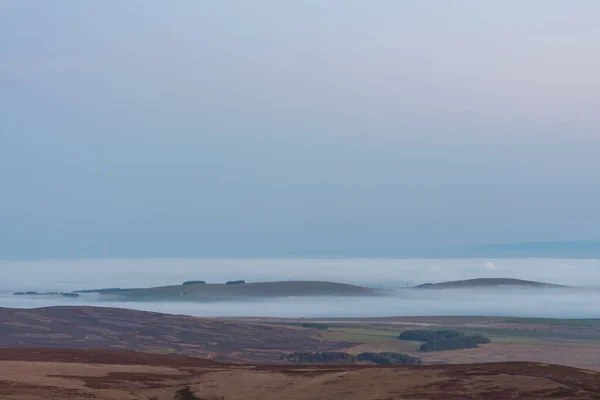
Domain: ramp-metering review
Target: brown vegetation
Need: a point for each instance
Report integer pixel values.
(35, 374)
(113, 328)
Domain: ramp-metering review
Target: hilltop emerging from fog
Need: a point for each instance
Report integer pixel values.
(487, 282)
(235, 290)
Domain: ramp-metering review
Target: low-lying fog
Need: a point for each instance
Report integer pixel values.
(390, 274)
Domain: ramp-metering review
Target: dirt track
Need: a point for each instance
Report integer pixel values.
(29, 374)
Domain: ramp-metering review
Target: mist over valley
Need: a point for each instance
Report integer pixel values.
(391, 282)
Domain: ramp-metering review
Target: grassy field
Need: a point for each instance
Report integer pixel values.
(567, 342)
(362, 334)
(555, 321)
(369, 333)
(540, 334)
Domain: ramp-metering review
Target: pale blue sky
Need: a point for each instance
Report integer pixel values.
(197, 128)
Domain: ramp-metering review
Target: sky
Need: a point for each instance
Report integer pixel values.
(239, 128)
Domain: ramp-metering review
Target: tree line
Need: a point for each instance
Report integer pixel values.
(339, 357)
(439, 340)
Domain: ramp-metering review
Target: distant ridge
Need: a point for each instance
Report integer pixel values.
(190, 291)
(486, 282)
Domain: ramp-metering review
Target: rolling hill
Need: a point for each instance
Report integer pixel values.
(117, 328)
(487, 282)
(223, 292)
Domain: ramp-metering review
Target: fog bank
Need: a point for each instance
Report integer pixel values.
(558, 303)
(390, 274)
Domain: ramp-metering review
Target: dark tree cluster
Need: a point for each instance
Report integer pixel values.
(320, 357)
(338, 357)
(439, 340)
(194, 283)
(235, 282)
(389, 358)
(423, 335)
(457, 343)
(480, 339)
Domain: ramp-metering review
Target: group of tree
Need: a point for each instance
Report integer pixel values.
(339, 357)
(240, 282)
(457, 343)
(439, 340)
(389, 358)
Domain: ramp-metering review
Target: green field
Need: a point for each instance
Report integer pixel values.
(556, 332)
(555, 341)
(555, 321)
(528, 333)
(370, 334)
(362, 334)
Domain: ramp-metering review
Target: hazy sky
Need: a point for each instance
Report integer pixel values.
(234, 127)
